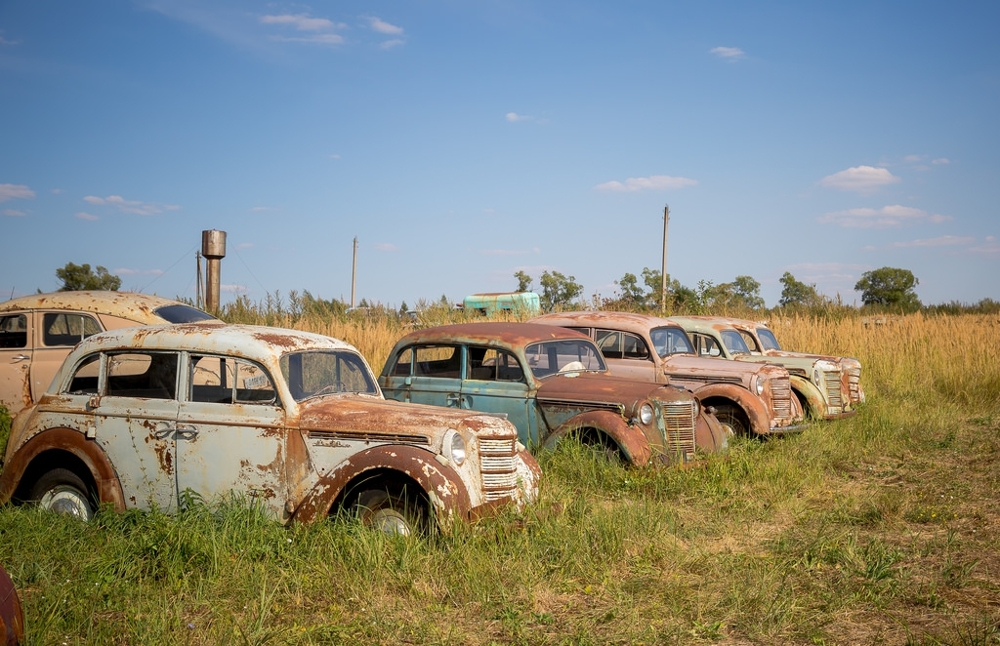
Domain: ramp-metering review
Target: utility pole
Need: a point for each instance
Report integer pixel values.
(663, 270)
(354, 270)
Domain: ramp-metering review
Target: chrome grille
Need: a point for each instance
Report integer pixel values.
(679, 421)
(497, 464)
(831, 380)
(854, 379)
(781, 398)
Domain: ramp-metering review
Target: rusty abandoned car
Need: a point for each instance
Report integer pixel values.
(748, 398)
(551, 383)
(827, 387)
(38, 331)
(138, 417)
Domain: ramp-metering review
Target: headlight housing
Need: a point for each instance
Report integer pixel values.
(453, 447)
(646, 413)
(819, 369)
(759, 386)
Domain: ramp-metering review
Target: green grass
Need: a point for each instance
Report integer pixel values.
(880, 528)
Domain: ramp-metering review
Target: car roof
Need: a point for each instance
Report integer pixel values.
(127, 305)
(618, 320)
(718, 322)
(491, 333)
(250, 341)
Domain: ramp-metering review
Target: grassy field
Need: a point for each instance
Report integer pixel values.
(879, 529)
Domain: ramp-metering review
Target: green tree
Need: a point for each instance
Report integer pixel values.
(523, 281)
(558, 290)
(631, 294)
(794, 292)
(890, 287)
(76, 277)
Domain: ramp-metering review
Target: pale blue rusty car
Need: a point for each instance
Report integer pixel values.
(135, 418)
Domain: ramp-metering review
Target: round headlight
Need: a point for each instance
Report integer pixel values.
(645, 413)
(697, 407)
(760, 386)
(454, 447)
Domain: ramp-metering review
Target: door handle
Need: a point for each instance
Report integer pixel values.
(17, 358)
(453, 399)
(186, 432)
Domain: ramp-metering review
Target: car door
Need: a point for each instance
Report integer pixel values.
(55, 335)
(627, 355)
(135, 415)
(495, 383)
(427, 374)
(230, 433)
(15, 360)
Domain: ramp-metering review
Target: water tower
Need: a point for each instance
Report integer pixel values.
(213, 247)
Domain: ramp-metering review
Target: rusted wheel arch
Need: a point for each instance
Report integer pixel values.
(632, 444)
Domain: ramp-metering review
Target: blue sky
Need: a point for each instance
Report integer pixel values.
(461, 142)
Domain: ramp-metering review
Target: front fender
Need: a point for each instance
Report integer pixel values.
(89, 452)
(630, 439)
(710, 436)
(441, 483)
(815, 404)
(752, 405)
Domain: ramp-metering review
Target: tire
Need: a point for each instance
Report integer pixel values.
(733, 419)
(63, 492)
(393, 514)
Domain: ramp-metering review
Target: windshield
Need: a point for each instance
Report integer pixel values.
(734, 342)
(326, 372)
(572, 355)
(767, 339)
(670, 340)
(182, 314)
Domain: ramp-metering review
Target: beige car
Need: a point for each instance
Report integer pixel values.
(38, 331)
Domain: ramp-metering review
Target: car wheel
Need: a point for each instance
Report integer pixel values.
(732, 419)
(394, 514)
(63, 492)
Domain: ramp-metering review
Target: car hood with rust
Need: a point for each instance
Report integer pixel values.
(367, 414)
(695, 365)
(601, 387)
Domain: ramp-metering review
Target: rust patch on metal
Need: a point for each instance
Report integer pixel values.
(11, 614)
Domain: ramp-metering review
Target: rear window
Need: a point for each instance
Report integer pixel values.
(181, 313)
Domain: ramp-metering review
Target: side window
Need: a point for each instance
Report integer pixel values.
(634, 347)
(151, 375)
(610, 343)
(63, 329)
(14, 331)
(227, 380)
(750, 341)
(490, 364)
(442, 361)
(84, 381)
(403, 363)
(706, 346)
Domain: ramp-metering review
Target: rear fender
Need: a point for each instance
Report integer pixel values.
(441, 483)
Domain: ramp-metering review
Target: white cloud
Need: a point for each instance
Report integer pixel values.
(941, 160)
(321, 30)
(514, 117)
(389, 44)
(912, 159)
(883, 218)
(57, 191)
(15, 192)
(14, 213)
(990, 247)
(245, 245)
(130, 206)
(382, 27)
(942, 241)
(301, 21)
(385, 246)
(653, 182)
(859, 178)
(335, 156)
(233, 288)
(730, 54)
(4, 41)
(83, 215)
